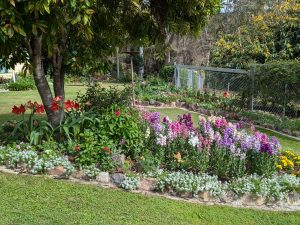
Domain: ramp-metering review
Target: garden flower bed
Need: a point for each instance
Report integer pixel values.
(266, 120)
(215, 161)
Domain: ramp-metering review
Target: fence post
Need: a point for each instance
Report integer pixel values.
(175, 75)
(284, 101)
(251, 74)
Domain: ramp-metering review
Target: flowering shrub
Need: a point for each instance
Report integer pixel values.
(31, 129)
(93, 151)
(217, 146)
(288, 162)
(175, 143)
(121, 126)
(57, 104)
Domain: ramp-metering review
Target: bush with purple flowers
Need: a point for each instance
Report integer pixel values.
(217, 146)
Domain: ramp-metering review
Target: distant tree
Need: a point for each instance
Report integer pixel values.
(272, 35)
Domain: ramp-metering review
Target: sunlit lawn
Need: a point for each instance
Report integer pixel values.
(8, 99)
(38, 200)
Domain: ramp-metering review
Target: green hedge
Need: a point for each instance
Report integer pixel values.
(277, 84)
(22, 84)
(167, 73)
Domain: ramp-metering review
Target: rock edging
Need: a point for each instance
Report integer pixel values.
(147, 187)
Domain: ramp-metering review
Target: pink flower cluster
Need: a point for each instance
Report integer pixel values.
(212, 132)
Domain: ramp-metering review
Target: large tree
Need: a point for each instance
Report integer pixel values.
(64, 31)
(271, 35)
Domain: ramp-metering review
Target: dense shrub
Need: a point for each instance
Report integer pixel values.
(22, 84)
(277, 84)
(167, 73)
(98, 98)
(98, 139)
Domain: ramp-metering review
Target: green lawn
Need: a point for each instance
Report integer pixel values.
(40, 200)
(8, 99)
(286, 143)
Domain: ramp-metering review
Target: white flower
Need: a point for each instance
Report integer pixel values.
(194, 141)
(147, 133)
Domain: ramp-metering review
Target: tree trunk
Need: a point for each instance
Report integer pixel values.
(58, 70)
(35, 51)
(58, 80)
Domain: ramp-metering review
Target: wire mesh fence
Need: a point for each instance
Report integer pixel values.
(247, 89)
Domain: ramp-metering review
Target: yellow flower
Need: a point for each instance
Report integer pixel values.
(283, 157)
(289, 162)
(177, 156)
(142, 158)
(279, 167)
(284, 162)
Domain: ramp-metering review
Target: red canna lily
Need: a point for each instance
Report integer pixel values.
(76, 105)
(22, 108)
(40, 109)
(15, 110)
(105, 149)
(54, 106)
(30, 105)
(118, 113)
(226, 94)
(77, 148)
(57, 99)
(68, 105)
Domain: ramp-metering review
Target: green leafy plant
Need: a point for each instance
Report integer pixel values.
(98, 98)
(31, 128)
(22, 84)
(167, 73)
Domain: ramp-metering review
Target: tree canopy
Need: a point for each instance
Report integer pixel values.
(68, 33)
(271, 35)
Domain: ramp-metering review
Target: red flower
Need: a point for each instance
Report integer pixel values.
(118, 113)
(226, 94)
(68, 104)
(105, 149)
(57, 99)
(15, 110)
(40, 109)
(18, 110)
(77, 148)
(22, 109)
(30, 105)
(76, 105)
(54, 106)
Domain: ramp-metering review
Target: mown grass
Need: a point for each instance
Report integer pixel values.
(40, 200)
(8, 99)
(286, 143)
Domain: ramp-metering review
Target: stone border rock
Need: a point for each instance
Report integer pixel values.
(194, 108)
(147, 187)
